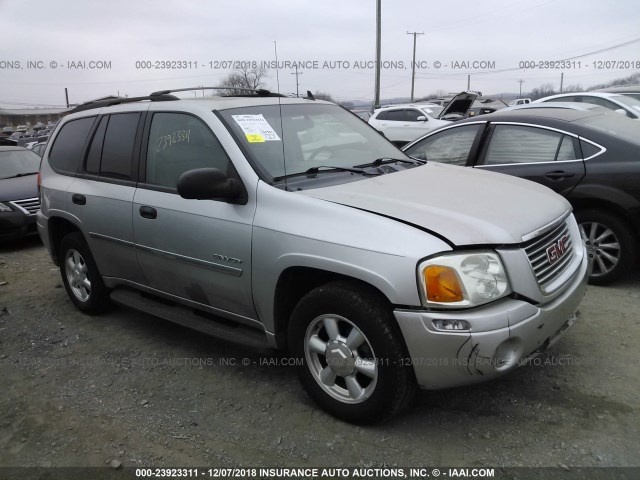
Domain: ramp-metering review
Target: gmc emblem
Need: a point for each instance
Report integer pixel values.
(556, 250)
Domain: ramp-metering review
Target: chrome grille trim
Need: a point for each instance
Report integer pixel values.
(536, 250)
(28, 205)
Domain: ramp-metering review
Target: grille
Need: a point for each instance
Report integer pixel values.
(550, 254)
(30, 205)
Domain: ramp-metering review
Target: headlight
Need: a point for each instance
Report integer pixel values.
(5, 208)
(462, 279)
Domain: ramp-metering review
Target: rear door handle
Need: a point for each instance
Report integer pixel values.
(148, 212)
(558, 175)
(78, 199)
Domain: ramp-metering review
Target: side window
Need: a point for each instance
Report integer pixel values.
(67, 151)
(567, 150)
(412, 115)
(395, 115)
(117, 149)
(588, 149)
(518, 144)
(177, 143)
(382, 115)
(92, 164)
(450, 146)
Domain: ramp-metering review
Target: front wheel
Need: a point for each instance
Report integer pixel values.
(351, 352)
(610, 245)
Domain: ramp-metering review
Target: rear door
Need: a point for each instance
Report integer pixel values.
(198, 250)
(543, 155)
(101, 195)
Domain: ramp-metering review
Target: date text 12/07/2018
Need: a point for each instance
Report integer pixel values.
(578, 64)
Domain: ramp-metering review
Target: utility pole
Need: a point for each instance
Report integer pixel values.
(468, 82)
(561, 81)
(520, 82)
(66, 96)
(376, 95)
(413, 64)
(297, 75)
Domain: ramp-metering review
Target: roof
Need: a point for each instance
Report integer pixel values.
(620, 89)
(562, 114)
(33, 111)
(7, 149)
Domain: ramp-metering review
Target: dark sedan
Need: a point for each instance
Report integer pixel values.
(590, 157)
(19, 200)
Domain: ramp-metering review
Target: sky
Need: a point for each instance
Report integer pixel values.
(47, 46)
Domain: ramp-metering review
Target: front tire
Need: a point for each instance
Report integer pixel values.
(81, 277)
(351, 353)
(610, 245)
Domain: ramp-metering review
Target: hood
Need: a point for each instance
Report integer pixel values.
(18, 188)
(466, 206)
(459, 105)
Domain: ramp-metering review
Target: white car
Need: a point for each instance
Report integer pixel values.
(623, 104)
(404, 123)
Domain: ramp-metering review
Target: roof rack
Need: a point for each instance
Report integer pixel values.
(251, 92)
(109, 101)
(165, 96)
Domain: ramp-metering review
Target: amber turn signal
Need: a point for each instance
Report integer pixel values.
(443, 284)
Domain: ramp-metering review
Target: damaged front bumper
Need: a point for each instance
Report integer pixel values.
(502, 336)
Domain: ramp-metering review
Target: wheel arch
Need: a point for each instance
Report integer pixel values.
(58, 228)
(294, 283)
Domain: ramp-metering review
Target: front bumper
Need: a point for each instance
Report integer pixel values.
(15, 225)
(502, 335)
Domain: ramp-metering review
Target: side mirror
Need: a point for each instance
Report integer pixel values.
(621, 111)
(421, 118)
(209, 184)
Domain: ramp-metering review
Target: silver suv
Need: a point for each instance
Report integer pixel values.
(290, 223)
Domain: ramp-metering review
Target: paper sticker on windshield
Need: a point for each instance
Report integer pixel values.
(256, 128)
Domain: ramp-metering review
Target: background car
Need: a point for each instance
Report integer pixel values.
(585, 107)
(613, 101)
(628, 90)
(19, 200)
(590, 157)
(38, 148)
(404, 123)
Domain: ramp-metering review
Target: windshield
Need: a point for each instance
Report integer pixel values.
(18, 162)
(314, 135)
(629, 101)
(432, 111)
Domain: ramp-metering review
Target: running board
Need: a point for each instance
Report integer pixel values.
(205, 323)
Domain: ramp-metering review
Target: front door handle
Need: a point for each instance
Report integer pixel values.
(558, 175)
(78, 199)
(148, 212)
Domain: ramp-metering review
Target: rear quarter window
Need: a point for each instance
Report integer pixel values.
(68, 148)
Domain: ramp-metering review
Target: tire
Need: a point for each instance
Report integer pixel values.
(362, 379)
(81, 277)
(610, 245)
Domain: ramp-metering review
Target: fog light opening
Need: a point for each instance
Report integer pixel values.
(508, 354)
(457, 325)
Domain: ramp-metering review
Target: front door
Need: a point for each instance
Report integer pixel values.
(198, 250)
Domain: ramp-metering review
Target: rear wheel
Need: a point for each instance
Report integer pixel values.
(351, 353)
(80, 275)
(610, 245)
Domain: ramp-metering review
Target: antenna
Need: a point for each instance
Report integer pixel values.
(275, 49)
(284, 159)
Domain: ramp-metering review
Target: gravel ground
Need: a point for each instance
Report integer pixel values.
(128, 389)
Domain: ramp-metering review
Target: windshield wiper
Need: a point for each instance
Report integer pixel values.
(329, 169)
(383, 161)
(19, 175)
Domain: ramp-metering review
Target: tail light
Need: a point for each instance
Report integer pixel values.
(39, 184)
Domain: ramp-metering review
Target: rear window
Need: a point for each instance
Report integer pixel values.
(68, 149)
